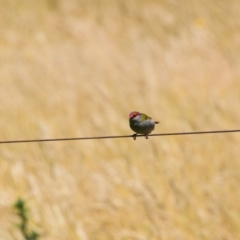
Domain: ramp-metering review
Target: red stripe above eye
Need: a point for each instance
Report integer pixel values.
(133, 114)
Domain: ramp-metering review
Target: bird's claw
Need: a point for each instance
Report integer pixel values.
(134, 136)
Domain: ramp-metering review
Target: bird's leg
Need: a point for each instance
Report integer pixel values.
(146, 135)
(134, 136)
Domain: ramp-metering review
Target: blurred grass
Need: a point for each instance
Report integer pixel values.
(77, 68)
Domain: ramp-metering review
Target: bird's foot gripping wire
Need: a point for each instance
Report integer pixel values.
(134, 136)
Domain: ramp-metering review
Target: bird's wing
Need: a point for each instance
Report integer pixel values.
(145, 117)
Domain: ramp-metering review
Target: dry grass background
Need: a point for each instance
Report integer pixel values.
(77, 68)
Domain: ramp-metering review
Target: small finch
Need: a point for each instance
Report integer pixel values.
(141, 123)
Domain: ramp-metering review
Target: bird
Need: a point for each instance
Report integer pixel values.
(141, 123)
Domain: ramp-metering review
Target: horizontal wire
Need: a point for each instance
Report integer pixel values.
(122, 136)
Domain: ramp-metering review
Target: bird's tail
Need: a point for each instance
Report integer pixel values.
(156, 122)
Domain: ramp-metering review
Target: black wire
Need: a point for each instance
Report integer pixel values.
(122, 136)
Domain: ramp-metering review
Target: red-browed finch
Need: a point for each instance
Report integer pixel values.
(140, 123)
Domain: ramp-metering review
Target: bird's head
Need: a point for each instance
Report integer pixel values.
(132, 115)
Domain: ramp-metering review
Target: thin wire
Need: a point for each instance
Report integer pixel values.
(122, 136)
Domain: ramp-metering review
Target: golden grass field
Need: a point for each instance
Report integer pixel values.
(77, 69)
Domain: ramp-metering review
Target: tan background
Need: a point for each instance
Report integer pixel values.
(76, 69)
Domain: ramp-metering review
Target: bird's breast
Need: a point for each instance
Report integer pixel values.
(143, 127)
